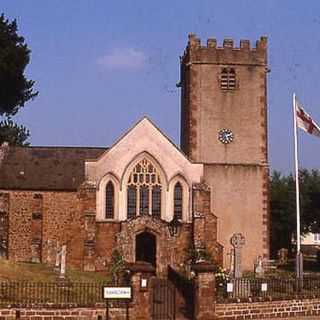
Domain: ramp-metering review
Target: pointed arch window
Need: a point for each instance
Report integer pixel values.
(144, 190)
(177, 201)
(109, 201)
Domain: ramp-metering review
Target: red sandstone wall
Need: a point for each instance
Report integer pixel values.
(206, 108)
(232, 311)
(237, 173)
(205, 223)
(105, 242)
(20, 215)
(60, 314)
(170, 250)
(58, 210)
(273, 309)
(239, 200)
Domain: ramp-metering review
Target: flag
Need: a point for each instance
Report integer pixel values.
(305, 122)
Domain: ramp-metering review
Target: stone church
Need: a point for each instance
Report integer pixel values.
(144, 196)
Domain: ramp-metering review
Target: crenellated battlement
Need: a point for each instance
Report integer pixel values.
(195, 43)
(211, 52)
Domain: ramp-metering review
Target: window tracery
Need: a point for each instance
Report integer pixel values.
(144, 190)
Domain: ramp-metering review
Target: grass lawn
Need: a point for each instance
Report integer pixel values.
(37, 272)
(310, 266)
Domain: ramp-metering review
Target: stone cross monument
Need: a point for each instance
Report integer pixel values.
(237, 241)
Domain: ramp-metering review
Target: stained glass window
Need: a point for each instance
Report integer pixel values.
(144, 190)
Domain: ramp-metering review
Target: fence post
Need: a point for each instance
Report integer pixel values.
(204, 291)
(141, 273)
(18, 314)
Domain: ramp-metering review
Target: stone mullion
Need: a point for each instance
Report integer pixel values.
(138, 200)
(150, 199)
(139, 183)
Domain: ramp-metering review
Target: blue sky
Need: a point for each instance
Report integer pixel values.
(101, 65)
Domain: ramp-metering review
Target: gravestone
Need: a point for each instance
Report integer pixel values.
(283, 256)
(237, 241)
(259, 270)
(61, 261)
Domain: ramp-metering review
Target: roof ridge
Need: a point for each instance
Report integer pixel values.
(45, 168)
(57, 147)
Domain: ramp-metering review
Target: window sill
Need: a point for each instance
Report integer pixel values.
(107, 220)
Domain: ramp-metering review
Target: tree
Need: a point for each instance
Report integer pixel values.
(15, 88)
(282, 211)
(283, 207)
(13, 133)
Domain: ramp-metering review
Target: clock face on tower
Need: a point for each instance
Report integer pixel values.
(225, 136)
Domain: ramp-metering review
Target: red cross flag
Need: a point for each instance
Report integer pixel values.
(305, 122)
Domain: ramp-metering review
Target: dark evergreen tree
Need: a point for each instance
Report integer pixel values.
(15, 88)
(14, 134)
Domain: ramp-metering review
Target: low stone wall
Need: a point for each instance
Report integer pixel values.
(60, 314)
(230, 311)
(271, 309)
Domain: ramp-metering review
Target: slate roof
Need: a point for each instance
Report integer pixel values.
(44, 168)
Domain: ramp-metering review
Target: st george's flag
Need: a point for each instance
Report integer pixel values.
(305, 122)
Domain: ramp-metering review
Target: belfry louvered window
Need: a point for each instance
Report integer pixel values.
(109, 200)
(177, 201)
(228, 79)
(144, 190)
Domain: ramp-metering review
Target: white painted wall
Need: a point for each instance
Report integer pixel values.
(144, 140)
(311, 239)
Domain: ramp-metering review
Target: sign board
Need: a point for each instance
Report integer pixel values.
(229, 287)
(117, 293)
(144, 283)
(264, 286)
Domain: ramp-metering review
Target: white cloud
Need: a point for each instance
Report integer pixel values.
(123, 58)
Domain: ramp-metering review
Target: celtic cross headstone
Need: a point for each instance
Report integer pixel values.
(237, 241)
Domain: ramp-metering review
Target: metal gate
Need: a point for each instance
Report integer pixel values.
(163, 300)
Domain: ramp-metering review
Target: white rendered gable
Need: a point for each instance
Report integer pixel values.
(144, 139)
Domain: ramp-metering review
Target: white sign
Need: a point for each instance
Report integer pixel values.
(143, 283)
(117, 293)
(264, 286)
(229, 287)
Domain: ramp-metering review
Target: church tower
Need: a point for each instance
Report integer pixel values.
(224, 126)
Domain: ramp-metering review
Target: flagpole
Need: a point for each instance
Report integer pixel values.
(299, 260)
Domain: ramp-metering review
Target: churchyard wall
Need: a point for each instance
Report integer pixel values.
(272, 309)
(56, 314)
(235, 311)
